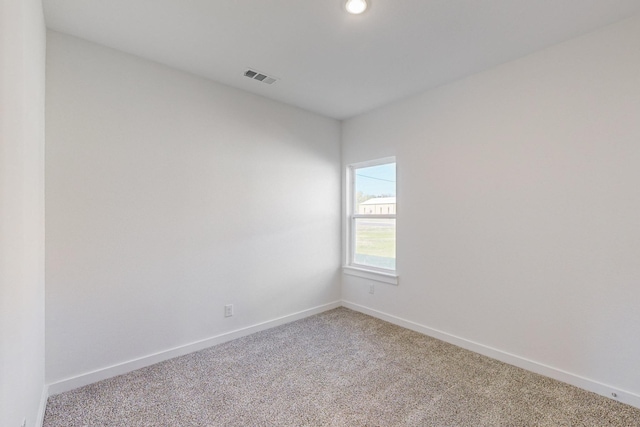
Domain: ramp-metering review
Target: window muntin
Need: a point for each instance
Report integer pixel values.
(372, 216)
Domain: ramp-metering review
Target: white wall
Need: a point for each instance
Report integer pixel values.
(169, 196)
(518, 208)
(22, 79)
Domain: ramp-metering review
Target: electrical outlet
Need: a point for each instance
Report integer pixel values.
(372, 288)
(228, 310)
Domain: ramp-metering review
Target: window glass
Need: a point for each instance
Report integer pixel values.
(375, 243)
(373, 219)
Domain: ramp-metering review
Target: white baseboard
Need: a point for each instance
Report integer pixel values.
(602, 389)
(132, 365)
(605, 390)
(43, 406)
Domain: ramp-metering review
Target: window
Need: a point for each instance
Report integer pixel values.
(371, 210)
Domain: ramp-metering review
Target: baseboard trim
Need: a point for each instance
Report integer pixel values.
(131, 365)
(43, 406)
(602, 389)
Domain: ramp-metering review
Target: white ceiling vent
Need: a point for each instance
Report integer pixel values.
(261, 77)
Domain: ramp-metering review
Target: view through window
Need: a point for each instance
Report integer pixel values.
(373, 216)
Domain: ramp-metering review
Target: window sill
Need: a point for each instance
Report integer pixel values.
(379, 276)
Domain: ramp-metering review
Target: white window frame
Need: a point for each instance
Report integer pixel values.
(350, 267)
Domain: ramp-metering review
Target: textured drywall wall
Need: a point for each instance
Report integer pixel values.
(518, 207)
(22, 91)
(168, 197)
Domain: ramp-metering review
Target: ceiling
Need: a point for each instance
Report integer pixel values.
(326, 60)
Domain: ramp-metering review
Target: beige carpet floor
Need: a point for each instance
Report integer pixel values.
(339, 368)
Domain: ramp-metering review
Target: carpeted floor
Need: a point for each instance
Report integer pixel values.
(339, 368)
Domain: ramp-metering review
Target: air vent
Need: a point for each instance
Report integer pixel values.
(261, 77)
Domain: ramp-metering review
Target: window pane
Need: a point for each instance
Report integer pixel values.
(375, 189)
(375, 242)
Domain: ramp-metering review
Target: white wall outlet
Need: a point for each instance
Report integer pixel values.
(372, 288)
(228, 310)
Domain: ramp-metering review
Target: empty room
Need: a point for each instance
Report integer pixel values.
(319, 213)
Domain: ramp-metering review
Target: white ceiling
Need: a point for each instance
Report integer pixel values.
(329, 62)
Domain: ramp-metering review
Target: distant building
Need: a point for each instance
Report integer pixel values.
(378, 206)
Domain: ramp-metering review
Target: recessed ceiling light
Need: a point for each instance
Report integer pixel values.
(355, 7)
